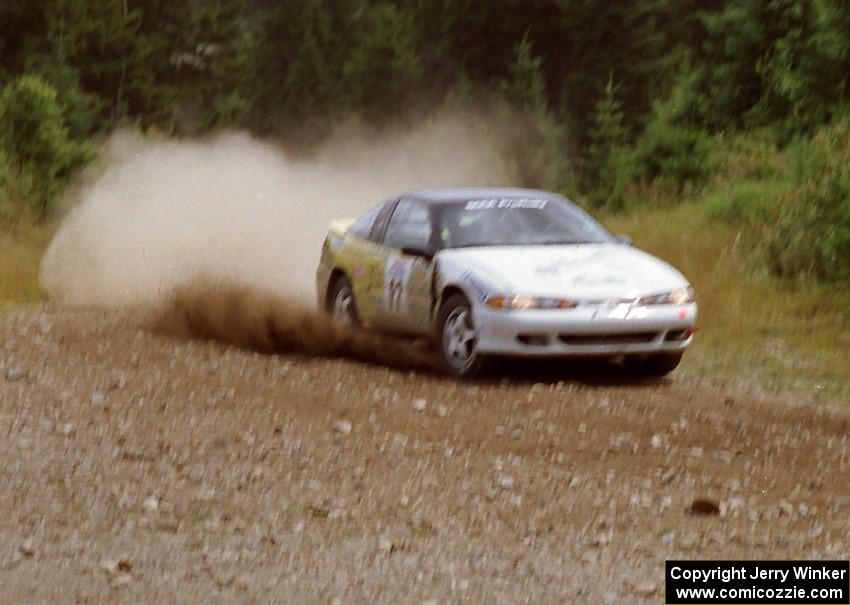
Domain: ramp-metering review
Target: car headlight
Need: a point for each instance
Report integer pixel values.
(529, 302)
(679, 296)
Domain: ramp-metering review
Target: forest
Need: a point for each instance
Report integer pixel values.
(628, 105)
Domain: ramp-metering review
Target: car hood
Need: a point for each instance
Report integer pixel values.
(584, 271)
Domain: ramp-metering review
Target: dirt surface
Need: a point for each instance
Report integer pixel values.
(142, 469)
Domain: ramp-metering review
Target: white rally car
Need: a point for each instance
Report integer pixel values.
(505, 272)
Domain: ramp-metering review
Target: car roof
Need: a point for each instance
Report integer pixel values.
(464, 194)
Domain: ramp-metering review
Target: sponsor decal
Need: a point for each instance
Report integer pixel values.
(396, 276)
(497, 203)
(577, 260)
(475, 285)
(600, 279)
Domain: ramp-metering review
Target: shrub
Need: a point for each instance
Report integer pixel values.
(751, 203)
(671, 149)
(673, 153)
(751, 156)
(80, 109)
(33, 133)
(812, 234)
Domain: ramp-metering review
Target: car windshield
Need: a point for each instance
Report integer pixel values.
(516, 222)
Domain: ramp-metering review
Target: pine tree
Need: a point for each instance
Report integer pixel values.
(608, 136)
(524, 85)
(383, 66)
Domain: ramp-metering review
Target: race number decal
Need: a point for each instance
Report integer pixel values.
(396, 276)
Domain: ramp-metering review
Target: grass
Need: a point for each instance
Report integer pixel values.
(755, 328)
(22, 245)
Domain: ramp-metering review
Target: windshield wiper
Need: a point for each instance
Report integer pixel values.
(484, 244)
(563, 242)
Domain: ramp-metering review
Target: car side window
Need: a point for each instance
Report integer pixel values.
(363, 225)
(410, 226)
(376, 233)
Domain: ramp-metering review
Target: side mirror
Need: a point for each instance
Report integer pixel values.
(417, 251)
(625, 239)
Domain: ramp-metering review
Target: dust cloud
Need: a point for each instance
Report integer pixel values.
(161, 214)
(251, 318)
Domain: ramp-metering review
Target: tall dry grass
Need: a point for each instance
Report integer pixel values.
(784, 336)
(22, 244)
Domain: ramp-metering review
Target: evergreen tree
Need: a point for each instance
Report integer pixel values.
(383, 67)
(608, 136)
(524, 86)
(297, 69)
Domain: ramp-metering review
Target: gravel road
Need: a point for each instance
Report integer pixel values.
(139, 468)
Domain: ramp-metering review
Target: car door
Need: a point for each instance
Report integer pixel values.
(407, 273)
(370, 269)
(357, 257)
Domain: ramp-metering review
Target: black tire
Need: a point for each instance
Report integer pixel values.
(344, 313)
(660, 364)
(459, 357)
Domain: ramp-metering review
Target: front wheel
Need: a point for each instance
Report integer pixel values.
(458, 341)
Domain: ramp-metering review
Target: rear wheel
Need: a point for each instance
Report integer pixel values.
(659, 365)
(341, 304)
(458, 340)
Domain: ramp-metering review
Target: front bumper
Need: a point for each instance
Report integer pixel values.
(619, 329)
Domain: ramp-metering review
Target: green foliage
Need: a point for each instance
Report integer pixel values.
(105, 46)
(636, 44)
(297, 67)
(39, 151)
(691, 95)
(750, 203)
(752, 156)
(773, 63)
(149, 61)
(383, 67)
(812, 233)
(750, 182)
(524, 86)
(210, 76)
(671, 149)
(608, 156)
(79, 107)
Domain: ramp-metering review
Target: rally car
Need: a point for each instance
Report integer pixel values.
(504, 272)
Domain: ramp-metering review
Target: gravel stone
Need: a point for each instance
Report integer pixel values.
(14, 374)
(343, 426)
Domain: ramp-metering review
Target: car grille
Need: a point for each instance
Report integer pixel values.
(607, 339)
